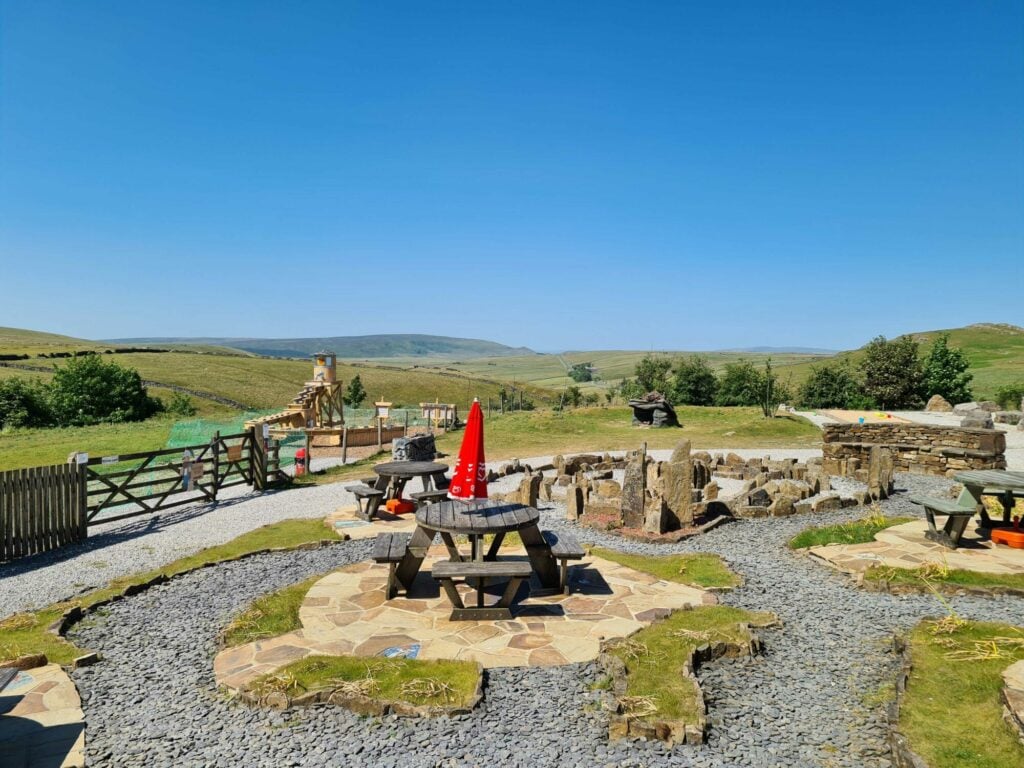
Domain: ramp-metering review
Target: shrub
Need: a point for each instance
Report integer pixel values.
(740, 384)
(181, 405)
(693, 383)
(945, 372)
(88, 390)
(1010, 396)
(831, 386)
(652, 374)
(581, 372)
(354, 392)
(893, 376)
(24, 404)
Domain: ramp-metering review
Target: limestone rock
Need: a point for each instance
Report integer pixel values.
(573, 502)
(938, 404)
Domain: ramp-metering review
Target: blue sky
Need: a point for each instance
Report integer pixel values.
(553, 174)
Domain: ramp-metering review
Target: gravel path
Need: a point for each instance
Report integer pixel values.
(152, 701)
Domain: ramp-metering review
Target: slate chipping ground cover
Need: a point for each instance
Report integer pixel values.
(808, 701)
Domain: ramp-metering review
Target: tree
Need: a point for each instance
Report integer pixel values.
(581, 372)
(945, 372)
(88, 390)
(572, 397)
(892, 372)
(694, 383)
(652, 374)
(354, 392)
(740, 384)
(181, 405)
(831, 386)
(24, 404)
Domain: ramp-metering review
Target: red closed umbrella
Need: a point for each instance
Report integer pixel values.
(469, 480)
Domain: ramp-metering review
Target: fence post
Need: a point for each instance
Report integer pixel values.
(380, 435)
(406, 424)
(215, 446)
(344, 445)
(257, 459)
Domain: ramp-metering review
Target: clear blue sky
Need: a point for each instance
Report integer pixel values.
(553, 174)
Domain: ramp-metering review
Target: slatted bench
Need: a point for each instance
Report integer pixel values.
(958, 512)
(6, 675)
(428, 497)
(447, 571)
(367, 500)
(564, 547)
(390, 548)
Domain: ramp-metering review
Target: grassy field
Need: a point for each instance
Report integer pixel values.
(995, 352)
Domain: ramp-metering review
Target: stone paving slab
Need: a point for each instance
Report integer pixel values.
(1013, 695)
(905, 546)
(41, 721)
(344, 522)
(346, 613)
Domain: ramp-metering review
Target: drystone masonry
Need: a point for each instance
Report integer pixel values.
(917, 448)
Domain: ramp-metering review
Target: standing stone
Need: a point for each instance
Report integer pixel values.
(710, 492)
(880, 473)
(677, 485)
(545, 488)
(573, 502)
(783, 506)
(633, 494)
(529, 490)
(657, 517)
(681, 452)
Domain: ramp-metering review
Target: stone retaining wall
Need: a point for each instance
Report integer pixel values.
(918, 448)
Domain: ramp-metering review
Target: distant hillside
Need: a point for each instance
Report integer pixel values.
(353, 347)
(994, 350)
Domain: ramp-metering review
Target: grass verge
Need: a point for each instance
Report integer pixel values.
(270, 615)
(414, 681)
(655, 658)
(28, 633)
(931, 578)
(699, 570)
(855, 532)
(951, 712)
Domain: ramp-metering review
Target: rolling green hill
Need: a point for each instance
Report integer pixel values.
(994, 350)
(353, 347)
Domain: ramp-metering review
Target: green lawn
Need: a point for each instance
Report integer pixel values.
(700, 570)
(926, 578)
(855, 532)
(952, 712)
(271, 615)
(26, 633)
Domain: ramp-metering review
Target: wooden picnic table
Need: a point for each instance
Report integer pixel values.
(476, 519)
(392, 476)
(1002, 484)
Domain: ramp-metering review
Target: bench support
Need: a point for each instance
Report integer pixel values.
(951, 532)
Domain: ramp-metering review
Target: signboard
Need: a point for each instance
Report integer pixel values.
(234, 453)
(110, 459)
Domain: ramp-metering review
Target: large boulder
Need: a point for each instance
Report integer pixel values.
(989, 405)
(938, 404)
(1007, 417)
(965, 408)
(977, 419)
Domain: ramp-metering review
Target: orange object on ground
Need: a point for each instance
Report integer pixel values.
(400, 506)
(1011, 537)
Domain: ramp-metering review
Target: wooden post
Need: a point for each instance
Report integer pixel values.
(344, 445)
(643, 471)
(488, 406)
(309, 451)
(406, 422)
(380, 436)
(520, 399)
(215, 445)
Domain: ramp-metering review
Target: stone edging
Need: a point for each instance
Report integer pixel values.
(364, 705)
(672, 732)
(902, 755)
(945, 588)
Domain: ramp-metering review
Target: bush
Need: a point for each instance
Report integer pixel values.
(893, 376)
(740, 384)
(181, 405)
(581, 372)
(1010, 396)
(945, 372)
(354, 392)
(652, 374)
(89, 391)
(24, 404)
(831, 386)
(694, 383)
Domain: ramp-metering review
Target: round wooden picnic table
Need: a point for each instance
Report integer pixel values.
(393, 475)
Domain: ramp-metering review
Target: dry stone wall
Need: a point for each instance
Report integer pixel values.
(917, 448)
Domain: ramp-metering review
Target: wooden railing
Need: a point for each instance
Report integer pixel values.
(41, 508)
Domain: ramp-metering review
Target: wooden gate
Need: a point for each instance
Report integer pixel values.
(41, 508)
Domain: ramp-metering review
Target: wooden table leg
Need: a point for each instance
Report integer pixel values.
(541, 559)
(453, 551)
(419, 543)
(492, 552)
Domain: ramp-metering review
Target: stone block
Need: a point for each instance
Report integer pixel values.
(573, 502)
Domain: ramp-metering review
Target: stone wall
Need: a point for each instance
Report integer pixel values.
(917, 448)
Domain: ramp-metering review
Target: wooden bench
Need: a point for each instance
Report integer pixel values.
(428, 497)
(564, 547)
(390, 548)
(446, 571)
(958, 512)
(367, 500)
(6, 675)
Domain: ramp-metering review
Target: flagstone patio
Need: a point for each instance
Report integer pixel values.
(905, 546)
(41, 721)
(346, 613)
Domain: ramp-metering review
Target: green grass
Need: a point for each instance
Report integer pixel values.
(26, 633)
(951, 713)
(855, 532)
(924, 578)
(995, 352)
(655, 656)
(37, 447)
(416, 681)
(271, 615)
(700, 570)
(540, 433)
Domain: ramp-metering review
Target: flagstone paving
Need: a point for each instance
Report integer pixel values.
(346, 613)
(905, 546)
(344, 522)
(41, 721)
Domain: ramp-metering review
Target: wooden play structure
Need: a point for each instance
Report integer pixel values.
(318, 409)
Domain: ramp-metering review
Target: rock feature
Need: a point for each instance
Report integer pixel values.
(979, 419)
(653, 410)
(939, 404)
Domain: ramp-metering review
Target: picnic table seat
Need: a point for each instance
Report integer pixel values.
(958, 513)
(564, 547)
(390, 548)
(428, 497)
(7, 674)
(447, 571)
(368, 500)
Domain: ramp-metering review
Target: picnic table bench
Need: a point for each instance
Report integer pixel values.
(390, 548)
(564, 547)
(368, 500)
(447, 571)
(958, 513)
(6, 675)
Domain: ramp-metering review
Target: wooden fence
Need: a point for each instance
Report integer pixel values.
(41, 508)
